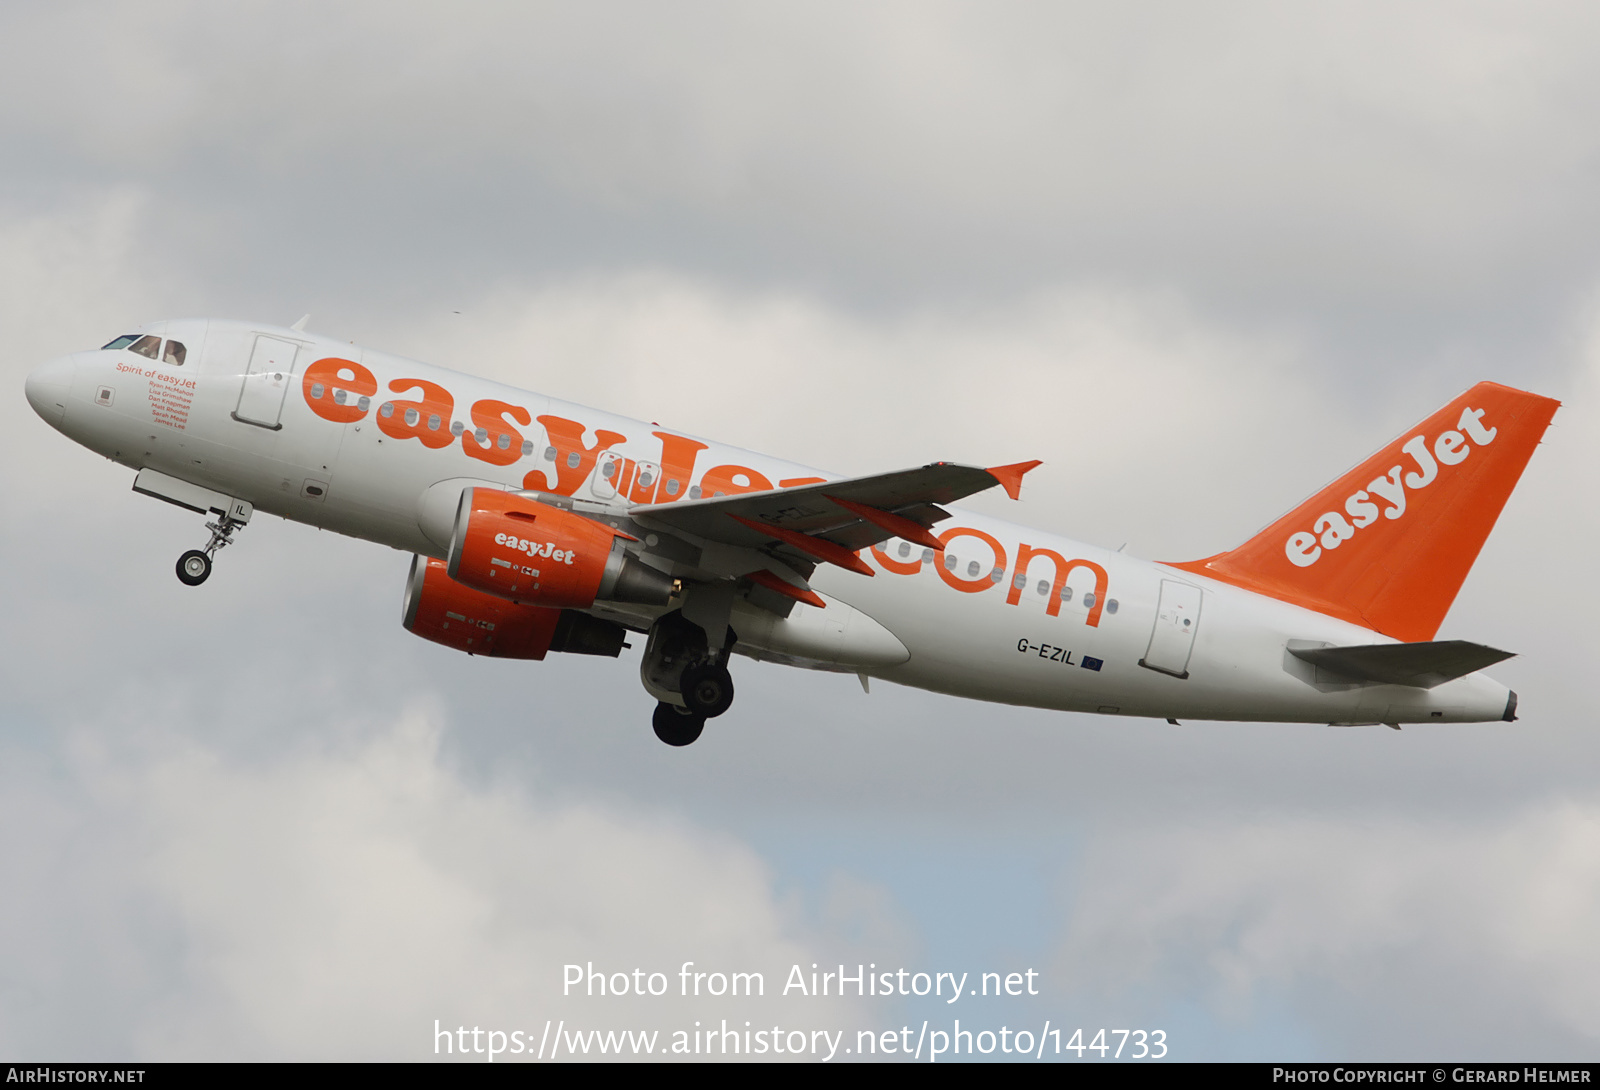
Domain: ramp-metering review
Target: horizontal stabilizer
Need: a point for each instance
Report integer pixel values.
(1423, 665)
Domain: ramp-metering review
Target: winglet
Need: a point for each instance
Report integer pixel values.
(1010, 477)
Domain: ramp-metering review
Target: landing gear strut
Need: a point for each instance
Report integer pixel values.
(194, 566)
(689, 680)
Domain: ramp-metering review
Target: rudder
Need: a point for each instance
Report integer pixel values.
(1388, 545)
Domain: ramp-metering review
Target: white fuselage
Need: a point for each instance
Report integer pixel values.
(962, 625)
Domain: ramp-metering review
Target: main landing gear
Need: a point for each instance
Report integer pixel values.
(690, 682)
(707, 689)
(194, 566)
(677, 726)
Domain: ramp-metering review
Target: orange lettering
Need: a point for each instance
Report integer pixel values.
(1063, 568)
(792, 482)
(725, 480)
(427, 420)
(574, 461)
(502, 444)
(982, 582)
(677, 466)
(337, 389)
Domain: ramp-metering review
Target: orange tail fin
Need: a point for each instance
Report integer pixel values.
(1388, 545)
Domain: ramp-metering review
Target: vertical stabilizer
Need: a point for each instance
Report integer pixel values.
(1388, 545)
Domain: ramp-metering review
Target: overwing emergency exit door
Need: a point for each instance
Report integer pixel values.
(1177, 617)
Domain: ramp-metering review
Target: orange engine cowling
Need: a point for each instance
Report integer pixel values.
(438, 608)
(518, 548)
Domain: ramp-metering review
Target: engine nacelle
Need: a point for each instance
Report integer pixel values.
(438, 608)
(517, 548)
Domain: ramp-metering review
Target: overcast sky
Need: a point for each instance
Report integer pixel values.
(1198, 258)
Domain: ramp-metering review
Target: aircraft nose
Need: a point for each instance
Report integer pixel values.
(47, 390)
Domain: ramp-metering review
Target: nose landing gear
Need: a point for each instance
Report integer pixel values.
(194, 566)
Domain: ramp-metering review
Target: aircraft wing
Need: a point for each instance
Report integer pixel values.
(848, 514)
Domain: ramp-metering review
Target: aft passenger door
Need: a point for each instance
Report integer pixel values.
(1172, 640)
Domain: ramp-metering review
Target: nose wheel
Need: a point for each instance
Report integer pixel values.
(194, 566)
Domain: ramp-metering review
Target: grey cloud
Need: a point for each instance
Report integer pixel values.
(334, 899)
(1395, 939)
(1426, 176)
(1200, 260)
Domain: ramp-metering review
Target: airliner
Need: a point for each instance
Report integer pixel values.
(539, 526)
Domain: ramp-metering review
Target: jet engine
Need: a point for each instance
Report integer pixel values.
(438, 608)
(518, 548)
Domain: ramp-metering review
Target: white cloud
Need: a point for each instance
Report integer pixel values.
(334, 900)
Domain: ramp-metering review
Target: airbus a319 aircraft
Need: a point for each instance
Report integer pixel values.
(540, 526)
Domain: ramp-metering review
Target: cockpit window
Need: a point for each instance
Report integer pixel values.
(150, 347)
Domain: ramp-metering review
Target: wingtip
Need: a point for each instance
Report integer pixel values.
(1010, 477)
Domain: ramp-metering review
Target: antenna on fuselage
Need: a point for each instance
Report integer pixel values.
(300, 326)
